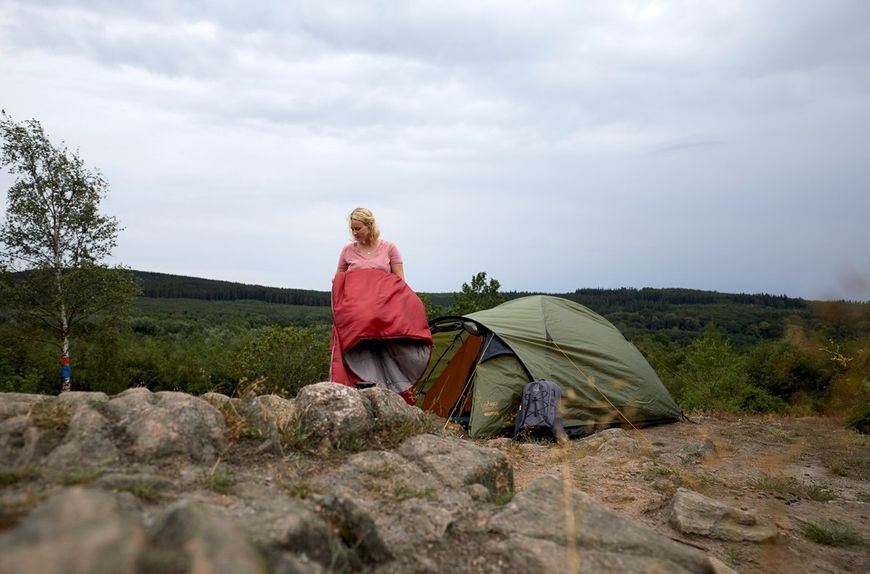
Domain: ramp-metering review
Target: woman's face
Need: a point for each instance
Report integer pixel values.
(360, 231)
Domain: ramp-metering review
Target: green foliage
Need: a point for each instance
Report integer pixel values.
(859, 420)
(478, 296)
(218, 480)
(286, 359)
(8, 477)
(432, 310)
(55, 237)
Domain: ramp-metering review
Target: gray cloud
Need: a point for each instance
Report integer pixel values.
(555, 145)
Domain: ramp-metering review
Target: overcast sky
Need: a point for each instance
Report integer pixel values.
(556, 145)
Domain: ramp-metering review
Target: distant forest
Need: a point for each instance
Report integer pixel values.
(713, 351)
(674, 314)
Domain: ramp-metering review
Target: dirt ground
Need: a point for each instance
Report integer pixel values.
(798, 473)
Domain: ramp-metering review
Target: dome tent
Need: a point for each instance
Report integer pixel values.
(481, 362)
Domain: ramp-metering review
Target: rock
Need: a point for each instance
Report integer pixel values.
(575, 525)
(169, 424)
(14, 404)
(76, 530)
(331, 415)
(275, 412)
(265, 417)
(456, 463)
(694, 513)
(302, 532)
(423, 520)
(81, 397)
(193, 537)
(390, 412)
(693, 453)
(610, 442)
(89, 440)
(355, 526)
(217, 400)
(130, 481)
(19, 441)
(31, 427)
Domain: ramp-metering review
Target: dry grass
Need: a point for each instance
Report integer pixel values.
(791, 487)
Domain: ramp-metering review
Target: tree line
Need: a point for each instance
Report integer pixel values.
(59, 301)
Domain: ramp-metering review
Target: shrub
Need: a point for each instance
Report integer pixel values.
(859, 420)
(286, 359)
(712, 377)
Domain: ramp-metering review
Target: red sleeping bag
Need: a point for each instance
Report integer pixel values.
(380, 333)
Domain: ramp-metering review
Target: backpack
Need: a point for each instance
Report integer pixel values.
(539, 410)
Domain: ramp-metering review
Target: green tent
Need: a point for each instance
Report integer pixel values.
(481, 361)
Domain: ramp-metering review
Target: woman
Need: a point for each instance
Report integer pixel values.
(368, 250)
(380, 332)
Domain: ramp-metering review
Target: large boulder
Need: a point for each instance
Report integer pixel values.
(169, 424)
(694, 513)
(331, 415)
(456, 463)
(76, 530)
(89, 441)
(31, 426)
(552, 523)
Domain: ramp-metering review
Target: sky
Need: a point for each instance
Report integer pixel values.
(554, 145)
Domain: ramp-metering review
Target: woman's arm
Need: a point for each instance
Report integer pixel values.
(398, 269)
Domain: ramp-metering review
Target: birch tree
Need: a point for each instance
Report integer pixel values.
(54, 240)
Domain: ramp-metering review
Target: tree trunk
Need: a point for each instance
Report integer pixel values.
(66, 375)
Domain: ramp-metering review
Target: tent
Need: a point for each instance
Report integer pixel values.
(481, 361)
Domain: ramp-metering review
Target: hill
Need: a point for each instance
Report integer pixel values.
(674, 314)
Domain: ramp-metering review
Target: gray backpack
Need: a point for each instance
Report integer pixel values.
(539, 410)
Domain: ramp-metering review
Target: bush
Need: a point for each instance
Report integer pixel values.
(712, 377)
(859, 420)
(286, 359)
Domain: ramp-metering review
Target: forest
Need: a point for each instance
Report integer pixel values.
(714, 351)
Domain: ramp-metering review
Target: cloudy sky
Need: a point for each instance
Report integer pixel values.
(553, 144)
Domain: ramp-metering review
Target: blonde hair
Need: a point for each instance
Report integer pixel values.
(365, 217)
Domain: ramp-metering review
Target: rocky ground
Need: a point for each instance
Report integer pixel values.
(797, 473)
(339, 481)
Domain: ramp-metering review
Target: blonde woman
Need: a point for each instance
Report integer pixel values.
(380, 333)
(368, 250)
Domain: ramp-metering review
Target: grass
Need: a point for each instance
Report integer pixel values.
(301, 490)
(788, 486)
(837, 468)
(82, 476)
(239, 425)
(832, 534)
(51, 415)
(502, 498)
(16, 475)
(656, 471)
(219, 481)
(147, 490)
(404, 491)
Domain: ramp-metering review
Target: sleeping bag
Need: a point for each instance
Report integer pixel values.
(380, 332)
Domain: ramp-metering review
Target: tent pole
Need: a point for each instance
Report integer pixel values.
(431, 370)
(467, 388)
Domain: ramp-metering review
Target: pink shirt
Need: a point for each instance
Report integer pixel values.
(384, 255)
